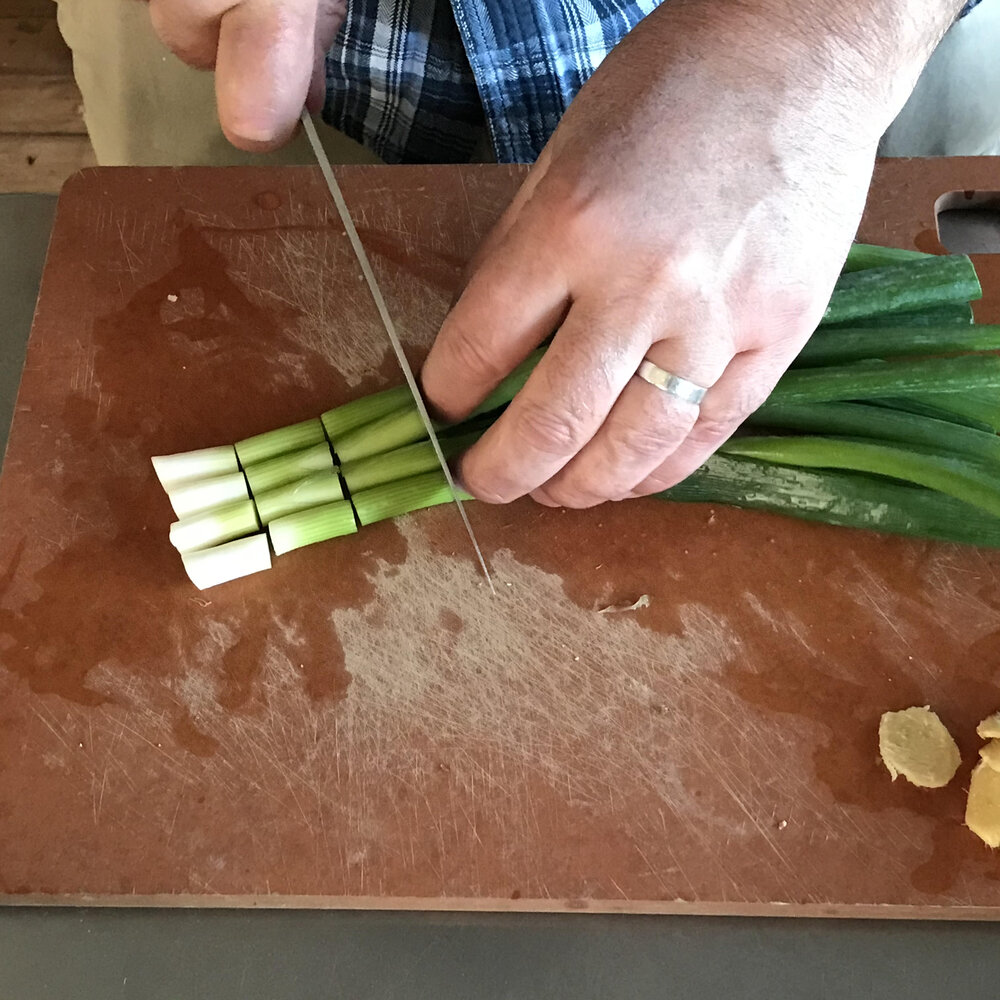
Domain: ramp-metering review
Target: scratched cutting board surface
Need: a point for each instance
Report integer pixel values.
(365, 725)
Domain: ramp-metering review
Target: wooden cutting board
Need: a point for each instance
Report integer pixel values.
(366, 725)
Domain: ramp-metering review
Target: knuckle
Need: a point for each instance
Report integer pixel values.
(472, 356)
(548, 429)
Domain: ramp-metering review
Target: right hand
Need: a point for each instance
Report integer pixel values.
(268, 57)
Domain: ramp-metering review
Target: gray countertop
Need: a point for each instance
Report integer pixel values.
(149, 954)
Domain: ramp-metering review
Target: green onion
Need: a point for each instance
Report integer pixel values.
(954, 314)
(509, 386)
(219, 525)
(864, 420)
(921, 284)
(862, 256)
(318, 524)
(401, 463)
(186, 466)
(825, 348)
(402, 426)
(358, 412)
(922, 408)
(319, 488)
(261, 447)
(870, 380)
(195, 497)
(403, 496)
(981, 407)
(229, 561)
(283, 469)
(846, 499)
(965, 480)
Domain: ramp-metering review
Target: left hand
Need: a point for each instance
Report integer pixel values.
(694, 207)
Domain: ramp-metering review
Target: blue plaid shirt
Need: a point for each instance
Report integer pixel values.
(418, 81)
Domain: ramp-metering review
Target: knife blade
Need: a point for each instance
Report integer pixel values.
(383, 310)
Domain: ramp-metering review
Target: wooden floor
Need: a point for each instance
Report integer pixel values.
(42, 135)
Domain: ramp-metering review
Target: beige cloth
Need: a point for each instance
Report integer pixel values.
(144, 107)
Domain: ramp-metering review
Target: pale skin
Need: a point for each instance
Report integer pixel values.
(693, 207)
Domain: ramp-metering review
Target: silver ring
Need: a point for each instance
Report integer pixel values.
(673, 385)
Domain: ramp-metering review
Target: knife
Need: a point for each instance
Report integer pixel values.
(390, 329)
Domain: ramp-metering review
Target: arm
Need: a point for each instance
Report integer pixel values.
(693, 207)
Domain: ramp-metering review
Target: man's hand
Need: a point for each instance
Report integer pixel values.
(693, 207)
(268, 58)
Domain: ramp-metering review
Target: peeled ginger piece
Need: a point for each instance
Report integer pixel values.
(991, 754)
(989, 728)
(916, 744)
(982, 811)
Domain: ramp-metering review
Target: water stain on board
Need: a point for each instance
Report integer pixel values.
(117, 594)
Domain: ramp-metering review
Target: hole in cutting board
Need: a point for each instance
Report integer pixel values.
(969, 221)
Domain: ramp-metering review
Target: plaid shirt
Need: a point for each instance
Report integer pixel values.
(418, 81)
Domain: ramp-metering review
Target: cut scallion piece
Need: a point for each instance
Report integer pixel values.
(229, 561)
(187, 466)
(283, 469)
(359, 412)
(403, 496)
(965, 480)
(306, 527)
(920, 284)
(871, 380)
(841, 346)
(402, 426)
(195, 497)
(319, 488)
(402, 463)
(845, 499)
(261, 447)
(215, 526)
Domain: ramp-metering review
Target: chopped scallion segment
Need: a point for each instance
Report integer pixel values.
(359, 412)
(195, 497)
(401, 463)
(215, 526)
(186, 466)
(261, 447)
(403, 496)
(306, 527)
(319, 488)
(283, 469)
(229, 561)
(386, 433)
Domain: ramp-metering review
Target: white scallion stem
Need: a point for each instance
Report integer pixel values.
(261, 447)
(319, 488)
(283, 469)
(215, 526)
(192, 498)
(188, 466)
(331, 520)
(229, 561)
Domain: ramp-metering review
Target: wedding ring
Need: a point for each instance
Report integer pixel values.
(673, 385)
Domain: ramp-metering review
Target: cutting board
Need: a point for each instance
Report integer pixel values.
(367, 725)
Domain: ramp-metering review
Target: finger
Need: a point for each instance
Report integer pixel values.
(564, 402)
(745, 385)
(263, 69)
(329, 18)
(189, 28)
(645, 426)
(511, 304)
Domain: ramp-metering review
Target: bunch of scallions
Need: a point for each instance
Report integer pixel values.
(887, 420)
